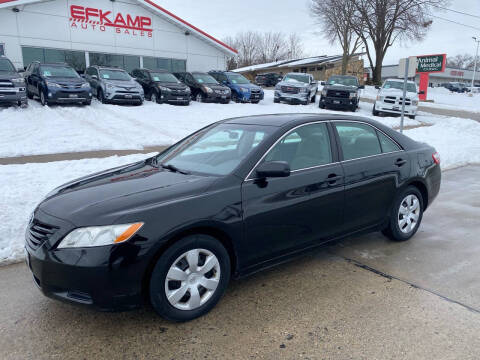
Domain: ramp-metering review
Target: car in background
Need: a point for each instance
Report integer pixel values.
(242, 89)
(341, 92)
(268, 79)
(204, 87)
(235, 197)
(113, 85)
(296, 88)
(455, 87)
(56, 83)
(390, 95)
(162, 87)
(12, 85)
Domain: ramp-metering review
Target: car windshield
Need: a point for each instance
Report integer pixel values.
(108, 74)
(238, 79)
(399, 85)
(6, 65)
(341, 80)
(297, 78)
(164, 77)
(204, 79)
(58, 71)
(217, 150)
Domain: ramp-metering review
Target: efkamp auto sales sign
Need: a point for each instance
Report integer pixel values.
(431, 63)
(89, 18)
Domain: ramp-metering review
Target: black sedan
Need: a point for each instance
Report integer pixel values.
(235, 197)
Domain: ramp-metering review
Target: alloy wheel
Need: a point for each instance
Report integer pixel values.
(154, 97)
(192, 279)
(409, 214)
(199, 98)
(42, 98)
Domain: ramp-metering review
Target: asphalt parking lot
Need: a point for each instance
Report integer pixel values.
(362, 298)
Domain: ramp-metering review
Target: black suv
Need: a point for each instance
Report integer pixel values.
(341, 92)
(57, 83)
(12, 85)
(161, 86)
(204, 87)
(268, 79)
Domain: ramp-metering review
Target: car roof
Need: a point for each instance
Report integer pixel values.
(107, 67)
(400, 80)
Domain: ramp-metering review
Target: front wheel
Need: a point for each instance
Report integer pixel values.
(406, 215)
(101, 96)
(199, 98)
(155, 98)
(374, 111)
(412, 117)
(312, 100)
(189, 278)
(43, 98)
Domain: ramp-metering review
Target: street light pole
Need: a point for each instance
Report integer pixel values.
(475, 62)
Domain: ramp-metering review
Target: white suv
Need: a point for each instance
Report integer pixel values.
(389, 98)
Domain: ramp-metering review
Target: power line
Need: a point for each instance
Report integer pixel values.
(455, 22)
(456, 11)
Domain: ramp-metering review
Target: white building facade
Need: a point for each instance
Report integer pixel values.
(123, 33)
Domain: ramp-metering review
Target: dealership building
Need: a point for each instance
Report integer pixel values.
(122, 33)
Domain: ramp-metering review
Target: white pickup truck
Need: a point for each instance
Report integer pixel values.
(389, 98)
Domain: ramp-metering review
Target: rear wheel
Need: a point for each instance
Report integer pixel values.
(406, 215)
(374, 111)
(189, 278)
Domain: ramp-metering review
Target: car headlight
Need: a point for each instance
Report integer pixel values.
(99, 235)
(110, 86)
(52, 84)
(163, 88)
(324, 92)
(207, 89)
(415, 102)
(379, 98)
(187, 90)
(353, 95)
(85, 85)
(245, 90)
(19, 81)
(278, 87)
(304, 90)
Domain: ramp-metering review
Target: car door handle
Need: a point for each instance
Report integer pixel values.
(332, 179)
(400, 162)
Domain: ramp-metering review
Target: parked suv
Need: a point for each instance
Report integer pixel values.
(242, 89)
(390, 95)
(12, 85)
(113, 85)
(204, 87)
(455, 87)
(296, 88)
(341, 92)
(268, 79)
(56, 83)
(161, 86)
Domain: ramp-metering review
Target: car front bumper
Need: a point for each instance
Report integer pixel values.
(108, 278)
(69, 95)
(217, 98)
(291, 97)
(250, 97)
(13, 95)
(175, 98)
(338, 103)
(124, 97)
(395, 108)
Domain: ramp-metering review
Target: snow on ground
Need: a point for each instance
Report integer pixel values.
(24, 186)
(58, 129)
(442, 99)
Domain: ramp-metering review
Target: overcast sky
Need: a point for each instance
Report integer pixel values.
(221, 18)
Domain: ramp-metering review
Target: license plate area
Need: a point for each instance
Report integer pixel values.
(73, 96)
(337, 102)
(128, 96)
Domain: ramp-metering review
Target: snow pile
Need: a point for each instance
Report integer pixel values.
(24, 186)
(59, 129)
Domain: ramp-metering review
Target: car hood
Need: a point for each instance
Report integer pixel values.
(9, 75)
(104, 197)
(66, 81)
(292, 84)
(172, 85)
(396, 92)
(122, 83)
(216, 86)
(248, 86)
(340, 87)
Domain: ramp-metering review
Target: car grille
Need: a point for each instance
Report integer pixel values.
(7, 92)
(6, 83)
(65, 86)
(38, 233)
(256, 91)
(394, 99)
(338, 94)
(222, 92)
(179, 92)
(290, 89)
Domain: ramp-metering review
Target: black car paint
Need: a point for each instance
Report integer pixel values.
(338, 96)
(261, 222)
(197, 88)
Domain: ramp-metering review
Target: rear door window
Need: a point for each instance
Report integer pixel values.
(388, 145)
(357, 140)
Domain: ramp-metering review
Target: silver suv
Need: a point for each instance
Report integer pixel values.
(113, 85)
(12, 85)
(296, 88)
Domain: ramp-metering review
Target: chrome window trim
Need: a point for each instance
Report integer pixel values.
(247, 178)
(280, 139)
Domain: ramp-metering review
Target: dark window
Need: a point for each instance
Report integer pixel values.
(305, 147)
(106, 60)
(131, 62)
(172, 65)
(358, 140)
(388, 145)
(2, 49)
(75, 59)
(179, 65)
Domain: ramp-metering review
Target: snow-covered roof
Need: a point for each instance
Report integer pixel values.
(291, 63)
(154, 7)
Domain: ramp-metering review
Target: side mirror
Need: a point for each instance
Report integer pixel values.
(20, 70)
(377, 87)
(273, 169)
(361, 87)
(421, 92)
(95, 77)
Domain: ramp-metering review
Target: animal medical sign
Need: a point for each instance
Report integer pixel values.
(89, 18)
(431, 63)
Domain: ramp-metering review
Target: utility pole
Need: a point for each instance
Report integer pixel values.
(475, 61)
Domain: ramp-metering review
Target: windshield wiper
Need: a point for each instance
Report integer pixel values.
(173, 168)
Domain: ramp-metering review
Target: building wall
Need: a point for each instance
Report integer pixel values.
(48, 25)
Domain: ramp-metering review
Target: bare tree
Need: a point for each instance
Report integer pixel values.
(379, 23)
(335, 16)
(272, 46)
(465, 61)
(295, 48)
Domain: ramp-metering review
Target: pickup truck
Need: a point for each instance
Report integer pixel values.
(341, 92)
(12, 85)
(296, 88)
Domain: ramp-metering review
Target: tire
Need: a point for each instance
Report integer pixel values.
(375, 112)
(87, 103)
(353, 108)
(313, 99)
(412, 117)
(255, 102)
(43, 99)
(199, 98)
(24, 104)
(201, 248)
(235, 98)
(408, 205)
(29, 95)
(276, 101)
(306, 102)
(154, 97)
(321, 105)
(101, 96)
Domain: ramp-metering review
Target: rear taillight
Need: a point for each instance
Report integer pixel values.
(436, 158)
